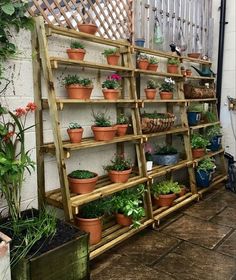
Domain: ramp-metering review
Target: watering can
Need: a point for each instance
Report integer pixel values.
(205, 71)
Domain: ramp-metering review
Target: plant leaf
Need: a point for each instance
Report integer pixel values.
(8, 9)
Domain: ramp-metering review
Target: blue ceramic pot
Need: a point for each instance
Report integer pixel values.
(194, 118)
(215, 143)
(140, 42)
(203, 178)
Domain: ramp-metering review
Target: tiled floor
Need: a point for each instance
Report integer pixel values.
(197, 243)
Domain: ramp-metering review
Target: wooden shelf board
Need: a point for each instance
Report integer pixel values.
(182, 101)
(209, 154)
(89, 101)
(201, 100)
(203, 125)
(196, 60)
(153, 52)
(170, 131)
(161, 74)
(199, 78)
(216, 180)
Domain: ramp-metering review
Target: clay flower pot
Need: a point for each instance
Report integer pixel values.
(91, 226)
(166, 95)
(119, 176)
(164, 199)
(188, 72)
(172, 68)
(81, 186)
(121, 129)
(183, 191)
(88, 28)
(104, 133)
(76, 54)
(152, 67)
(197, 153)
(75, 134)
(123, 220)
(143, 64)
(113, 59)
(111, 94)
(150, 93)
(76, 91)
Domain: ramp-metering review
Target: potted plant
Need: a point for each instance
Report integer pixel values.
(82, 181)
(167, 88)
(209, 116)
(183, 71)
(151, 89)
(173, 65)
(194, 113)
(127, 205)
(188, 72)
(122, 123)
(76, 51)
(77, 87)
(153, 63)
(139, 42)
(204, 172)
(89, 28)
(149, 160)
(119, 169)
(142, 61)
(214, 135)
(166, 155)
(102, 129)
(198, 144)
(75, 132)
(111, 87)
(164, 192)
(112, 55)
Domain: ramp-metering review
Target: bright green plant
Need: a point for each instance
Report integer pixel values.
(210, 116)
(167, 85)
(151, 84)
(110, 51)
(198, 141)
(119, 163)
(101, 119)
(196, 107)
(153, 60)
(95, 209)
(173, 61)
(165, 187)
(82, 174)
(213, 131)
(74, 79)
(76, 45)
(74, 125)
(122, 119)
(207, 164)
(166, 150)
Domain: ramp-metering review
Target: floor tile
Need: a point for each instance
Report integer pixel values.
(229, 245)
(191, 262)
(197, 231)
(227, 217)
(226, 197)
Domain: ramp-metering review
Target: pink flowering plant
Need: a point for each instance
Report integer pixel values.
(112, 82)
(14, 158)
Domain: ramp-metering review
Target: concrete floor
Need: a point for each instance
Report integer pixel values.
(199, 242)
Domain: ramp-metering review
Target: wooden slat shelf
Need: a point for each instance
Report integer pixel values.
(203, 125)
(166, 132)
(152, 52)
(202, 100)
(59, 61)
(208, 154)
(180, 102)
(216, 181)
(155, 73)
(199, 78)
(195, 60)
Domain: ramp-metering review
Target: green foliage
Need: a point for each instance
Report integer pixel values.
(148, 156)
(74, 79)
(210, 116)
(76, 45)
(198, 141)
(112, 82)
(142, 57)
(207, 164)
(129, 203)
(173, 61)
(166, 150)
(110, 51)
(155, 115)
(119, 163)
(122, 119)
(196, 107)
(153, 60)
(151, 84)
(82, 174)
(74, 125)
(95, 209)
(165, 187)
(101, 119)
(167, 85)
(213, 131)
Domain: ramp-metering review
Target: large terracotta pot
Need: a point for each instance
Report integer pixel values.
(91, 226)
(197, 153)
(172, 68)
(164, 199)
(166, 95)
(119, 176)
(104, 133)
(75, 134)
(81, 186)
(121, 129)
(111, 94)
(76, 91)
(123, 220)
(143, 64)
(113, 59)
(150, 93)
(76, 54)
(152, 67)
(88, 28)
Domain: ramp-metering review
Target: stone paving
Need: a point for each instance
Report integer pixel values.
(198, 243)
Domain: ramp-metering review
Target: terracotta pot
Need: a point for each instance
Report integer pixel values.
(164, 199)
(81, 186)
(194, 55)
(76, 54)
(75, 91)
(113, 59)
(171, 68)
(188, 73)
(166, 95)
(91, 226)
(111, 94)
(123, 220)
(183, 191)
(104, 133)
(197, 153)
(121, 129)
(150, 93)
(75, 134)
(88, 28)
(143, 64)
(119, 176)
(152, 67)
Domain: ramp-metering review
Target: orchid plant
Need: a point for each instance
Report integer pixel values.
(112, 82)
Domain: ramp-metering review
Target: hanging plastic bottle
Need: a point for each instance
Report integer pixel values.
(158, 37)
(198, 44)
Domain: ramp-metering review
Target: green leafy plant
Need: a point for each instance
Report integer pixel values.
(95, 209)
(155, 115)
(173, 61)
(167, 85)
(82, 174)
(151, 84)
(148, 156)
(213, 131)
(122, 119)
(196, 107)
(142, 57)
(76, 45)
(74, 125)
(198, 141)
(210, 116)
(153, 60)
(112, 82)
(129, 203)
(207, 164)
(74, 79)
(119, 163)
(101, 119)
(110, 51)
(166, 150)
(165, 187)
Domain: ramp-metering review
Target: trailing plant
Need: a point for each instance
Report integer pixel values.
(74, 125)
(207, 164)
(213, 131)
(196, 107)
(122, 119)
(74, 79)
(76, 45)
(112, 82)
(167, 85)
(119, 163)
(166, 150)
(142, 57)
(101, 119)
(82, 174)
(153, 60)
(151, 84)
(173, 61)
(110, 51)
(165, 187)
(198, 141)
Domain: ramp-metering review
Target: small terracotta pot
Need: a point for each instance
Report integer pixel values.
(171, 68)
(88, 28)
(183, 191)
(104, 133)
(152, 67)
(166, 95)
(76, 54)
(188, 73)
(75, 91)
(75, 134)
(150, 93)
(123, 220)
(119, 176)
(164, 199)
(81, 186)
(143, 64)
(113, 59)
(121, 129)
(111, 94)
(91, 226)
(197, 153)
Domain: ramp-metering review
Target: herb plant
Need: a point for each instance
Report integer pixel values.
(198, 141)
(74, 79)
(166, 150)
(207, 164)
(82, 174)
(167, 85)
(155, 115)
(110, 51)
(173, 61)
(210, 116)
(151, 84)
(122, 119)
(76, 45)
(165, 187)
(196, 107)
(213, 131)
(119, 163)
(74, 125)
(153, 60)
(94, 209)
(112, 82)
(101, 119)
